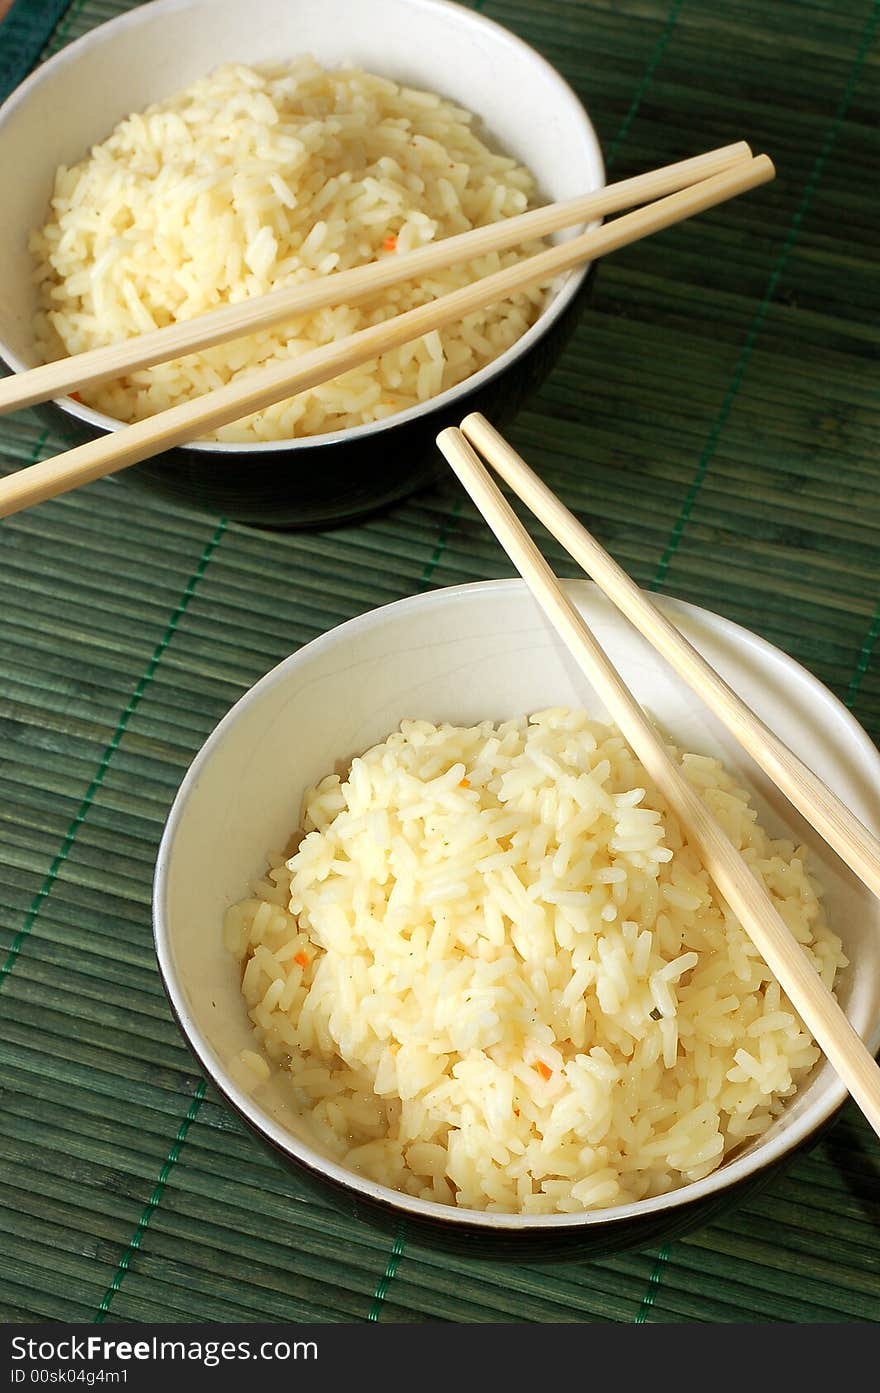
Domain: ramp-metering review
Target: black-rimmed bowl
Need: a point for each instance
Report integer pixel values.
(149, 53)
(467, 654)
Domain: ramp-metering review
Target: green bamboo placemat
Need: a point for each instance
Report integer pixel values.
(714, 421)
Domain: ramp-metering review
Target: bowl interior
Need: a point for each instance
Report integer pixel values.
(153, 51)
(463, 655)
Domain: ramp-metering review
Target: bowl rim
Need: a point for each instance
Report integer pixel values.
(726, 1176)
(558, 298)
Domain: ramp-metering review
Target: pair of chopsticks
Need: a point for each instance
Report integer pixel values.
(747, 898)
(670, 194)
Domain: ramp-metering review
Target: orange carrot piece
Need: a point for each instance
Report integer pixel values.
(302, 959)
(544, 1070)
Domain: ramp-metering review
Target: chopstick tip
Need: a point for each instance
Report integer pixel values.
(767, 166)
(473, 421)
(450, 435)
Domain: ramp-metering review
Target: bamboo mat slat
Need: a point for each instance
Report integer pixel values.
(740, 352)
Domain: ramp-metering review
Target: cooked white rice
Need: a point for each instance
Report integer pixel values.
(254, 179)
(499, 977)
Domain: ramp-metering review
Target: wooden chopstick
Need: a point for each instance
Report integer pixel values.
(748, 899)
(348, 287)
(274, 383)
(841, 829)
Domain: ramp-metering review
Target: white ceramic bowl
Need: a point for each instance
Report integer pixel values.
(466, 654)
(76, 99)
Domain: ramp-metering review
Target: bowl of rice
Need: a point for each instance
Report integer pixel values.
(428, 926)
(203, 152)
